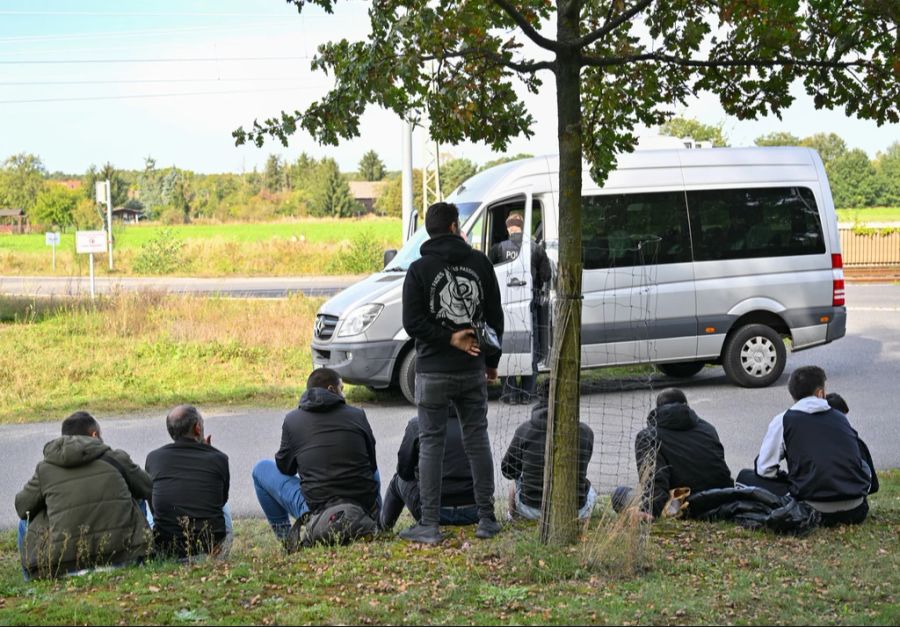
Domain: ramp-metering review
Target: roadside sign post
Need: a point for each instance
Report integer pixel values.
(52, 239)
(104, 194)
(90, 243)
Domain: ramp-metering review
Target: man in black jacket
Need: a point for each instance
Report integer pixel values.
(445, 290)
(191, 480)
(457, 494)
(524, 463)
(523, 391)
(327, 455)
(828, 465)
(682, 449)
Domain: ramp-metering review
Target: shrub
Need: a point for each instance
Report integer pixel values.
(364, 254)
(160, 255)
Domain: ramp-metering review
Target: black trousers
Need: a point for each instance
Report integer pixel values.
(854, 516)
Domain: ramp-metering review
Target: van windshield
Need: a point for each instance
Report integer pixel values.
(410, 250)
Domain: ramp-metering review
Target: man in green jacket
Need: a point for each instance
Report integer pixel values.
(79, 510)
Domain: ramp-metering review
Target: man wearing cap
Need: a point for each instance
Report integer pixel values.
(515, 392)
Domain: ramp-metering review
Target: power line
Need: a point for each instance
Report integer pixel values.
(135, 14)
(168, 95)
(149, 80)
(158, 60)
(19, 39)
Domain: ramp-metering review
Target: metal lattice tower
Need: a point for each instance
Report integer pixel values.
(431, 173)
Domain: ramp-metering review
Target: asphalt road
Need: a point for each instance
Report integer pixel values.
(250, 287)
(863, 367)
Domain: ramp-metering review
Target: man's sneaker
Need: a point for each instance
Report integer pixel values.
(487, 528)
(426, 534)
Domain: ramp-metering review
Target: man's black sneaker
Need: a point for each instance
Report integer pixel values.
(426, 534)
(487, 528)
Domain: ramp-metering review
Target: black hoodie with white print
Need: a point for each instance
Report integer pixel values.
(435, 306)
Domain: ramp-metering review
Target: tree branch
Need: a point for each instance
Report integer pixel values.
(529, 30)
(527, 67)
(673, 60)
(612, 24)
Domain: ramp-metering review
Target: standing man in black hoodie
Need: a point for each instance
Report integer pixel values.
(327, 454)
(444, 290)
(684, 450)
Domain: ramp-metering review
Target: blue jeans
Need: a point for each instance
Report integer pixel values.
(281, 496)
(534, 513)
(226, 512)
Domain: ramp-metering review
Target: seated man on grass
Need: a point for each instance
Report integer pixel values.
(80, 509)
(828, 465)
(457, 489)
(190, 514)
(327, 455)
(680, 449)
(524, 463)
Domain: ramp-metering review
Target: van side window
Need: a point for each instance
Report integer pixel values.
(748, 223)
(634, 229)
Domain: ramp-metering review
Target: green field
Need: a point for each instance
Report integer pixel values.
(138, 351)
(302, 247)
(869, 214)
(311, 230)
(691, 573)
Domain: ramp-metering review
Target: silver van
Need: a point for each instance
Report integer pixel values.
(690, 257)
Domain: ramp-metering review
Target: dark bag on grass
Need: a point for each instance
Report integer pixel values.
(338, 523)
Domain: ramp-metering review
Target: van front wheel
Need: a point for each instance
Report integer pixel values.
(754, 356)
(407, 376)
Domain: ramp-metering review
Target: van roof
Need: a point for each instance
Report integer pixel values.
(732, 164)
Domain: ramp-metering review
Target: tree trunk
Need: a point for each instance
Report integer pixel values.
(559, 512)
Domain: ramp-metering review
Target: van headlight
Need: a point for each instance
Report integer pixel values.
(359, 320)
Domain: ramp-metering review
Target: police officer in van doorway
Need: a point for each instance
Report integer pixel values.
(521, 391)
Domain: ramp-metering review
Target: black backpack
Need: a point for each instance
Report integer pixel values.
(338, 523)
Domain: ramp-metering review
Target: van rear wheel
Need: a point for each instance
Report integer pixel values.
(754, 356)
(407, 376)
(681, 370)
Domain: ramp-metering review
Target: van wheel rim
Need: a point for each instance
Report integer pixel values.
(758, 356)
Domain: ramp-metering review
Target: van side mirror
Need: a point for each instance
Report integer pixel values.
(389, 256)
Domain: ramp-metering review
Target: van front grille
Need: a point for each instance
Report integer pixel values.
(325, 326)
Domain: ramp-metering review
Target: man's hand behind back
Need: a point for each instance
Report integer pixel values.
(464, 340)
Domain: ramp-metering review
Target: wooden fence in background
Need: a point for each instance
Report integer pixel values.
(869, 250)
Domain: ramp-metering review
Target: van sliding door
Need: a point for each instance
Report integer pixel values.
(638, 283)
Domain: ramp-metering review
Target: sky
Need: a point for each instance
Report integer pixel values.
(87, 82)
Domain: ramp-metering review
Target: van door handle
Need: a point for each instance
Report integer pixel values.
(516, 282)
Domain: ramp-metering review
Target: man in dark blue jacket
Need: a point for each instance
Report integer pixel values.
(457, 496)
(445, 290)
(828, 465)
(327, 454)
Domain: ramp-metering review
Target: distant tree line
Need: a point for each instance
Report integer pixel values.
(305, 186)
(855, 180)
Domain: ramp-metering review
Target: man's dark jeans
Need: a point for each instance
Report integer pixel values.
(402, 494)
(468, 393)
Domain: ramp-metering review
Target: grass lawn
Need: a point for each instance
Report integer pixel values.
(869, 214)
(148, 350)
(692, 573)
(310, 246)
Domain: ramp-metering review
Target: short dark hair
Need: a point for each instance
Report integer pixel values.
(439, 217)
(805, 381)
(181, 421)
(670, 395)
(836, 401)
(542, 391)
(323, 378)
(80, 423)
